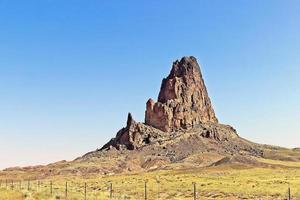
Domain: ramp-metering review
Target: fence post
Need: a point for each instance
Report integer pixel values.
(66, 189)
(6, 183)
(37, 185)
(84, 191)
(145, 190)
(111, 190)
(20, 185)
(158, 190)
(195, 191)
(12, 184)
(289, 193)
(28, 185)
(51, 188)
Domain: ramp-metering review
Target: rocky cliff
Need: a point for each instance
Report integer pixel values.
(183, 103)
(134, 136)
(183, 100)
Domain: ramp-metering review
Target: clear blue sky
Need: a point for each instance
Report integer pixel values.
(71, 70)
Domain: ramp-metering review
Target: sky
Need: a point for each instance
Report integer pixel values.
(71, 70)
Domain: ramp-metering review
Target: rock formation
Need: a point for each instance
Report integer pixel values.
(183, 100)
(183, 103)
(134, 135)
(180, 131)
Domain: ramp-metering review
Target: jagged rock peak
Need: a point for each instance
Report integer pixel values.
(183, 99)
(129, 120)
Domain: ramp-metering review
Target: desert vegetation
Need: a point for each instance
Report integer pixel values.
(229, 181)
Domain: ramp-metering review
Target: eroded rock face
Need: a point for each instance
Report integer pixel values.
(183, 103)
(183, 100)
(133, 136)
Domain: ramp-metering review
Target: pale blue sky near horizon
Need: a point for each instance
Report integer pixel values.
(70, 71)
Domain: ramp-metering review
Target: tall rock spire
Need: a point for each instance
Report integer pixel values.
(183, 100)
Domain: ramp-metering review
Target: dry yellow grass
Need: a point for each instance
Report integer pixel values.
(223, 182)
(10, 195)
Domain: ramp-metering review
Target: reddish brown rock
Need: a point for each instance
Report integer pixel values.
(183, 100)
(134, 135)
(183, 103)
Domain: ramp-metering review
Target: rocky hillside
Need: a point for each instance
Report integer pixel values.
(181, 130)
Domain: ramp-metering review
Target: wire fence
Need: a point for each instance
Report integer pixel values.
(71, 189)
